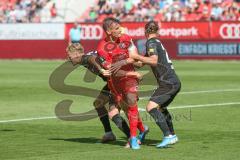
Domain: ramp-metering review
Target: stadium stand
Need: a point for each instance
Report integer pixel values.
(166, 10)
(21, 11)
(36, 11)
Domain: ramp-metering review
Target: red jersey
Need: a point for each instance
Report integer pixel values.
(115, 51)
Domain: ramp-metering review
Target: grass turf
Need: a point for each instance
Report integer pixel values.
(205, 133)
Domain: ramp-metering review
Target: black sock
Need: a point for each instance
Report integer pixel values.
(103, 115)
(168, 118)
(160, 121)
(121, 124)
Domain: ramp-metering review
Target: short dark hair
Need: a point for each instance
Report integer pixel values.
(151, 27)
(107, 22)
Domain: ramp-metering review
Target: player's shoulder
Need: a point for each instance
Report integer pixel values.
(102, 41)
(101, 44)
(92, 53)
(153, 41)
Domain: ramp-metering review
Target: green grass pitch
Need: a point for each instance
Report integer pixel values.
(206, 116)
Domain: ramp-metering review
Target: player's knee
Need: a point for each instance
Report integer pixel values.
(131, 99)
(150, 106)
(131, 102)
(148, 109)
(98, 103)
(113, 112)
(101, 111)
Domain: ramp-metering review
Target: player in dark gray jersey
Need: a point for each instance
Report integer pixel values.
(89, 61)
(168, 81)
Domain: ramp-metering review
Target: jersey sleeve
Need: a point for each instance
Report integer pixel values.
(132, 46)
(152, 49)
(129, 43)
(84, 60)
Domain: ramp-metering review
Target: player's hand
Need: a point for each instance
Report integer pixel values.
(138, 64)
(121, 73)
(105, 73)
(116, 66)
(139, 76)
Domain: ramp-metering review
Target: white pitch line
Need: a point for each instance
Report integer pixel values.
(211, 91)
(27, 119)
(140, 109)
(42, 118)
(199, 106)
(206, 91)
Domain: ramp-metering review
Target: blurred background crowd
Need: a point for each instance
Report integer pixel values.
(19, 11)
(23, 11)
(167, 10)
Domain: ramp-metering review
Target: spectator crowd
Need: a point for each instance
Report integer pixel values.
(21, 11)
(166, 10)
(29, 11)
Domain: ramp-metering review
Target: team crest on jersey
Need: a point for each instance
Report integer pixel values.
(151, 50)
(124, 45)
(110, 46)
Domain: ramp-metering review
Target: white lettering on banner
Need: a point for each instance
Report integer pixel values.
(190, 48)
(222, 49)
(208, 49)
(230, 31)
(139, 32)
(91, 32)
(177, 32)
(32, 31)
(165, 32)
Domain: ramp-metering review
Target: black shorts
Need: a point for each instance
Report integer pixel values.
(105, 91)
(165, 94)
(111, 101)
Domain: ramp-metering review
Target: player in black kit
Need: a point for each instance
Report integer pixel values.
(89, 60)
(168, 81)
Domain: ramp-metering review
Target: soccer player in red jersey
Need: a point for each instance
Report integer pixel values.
(123, 84)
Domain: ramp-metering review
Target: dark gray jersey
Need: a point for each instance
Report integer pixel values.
(164, 71)
(84, 62)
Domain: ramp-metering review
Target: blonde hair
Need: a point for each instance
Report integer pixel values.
(75, 47)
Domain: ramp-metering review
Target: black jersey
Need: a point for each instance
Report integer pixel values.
(84, 62)
(164, 71)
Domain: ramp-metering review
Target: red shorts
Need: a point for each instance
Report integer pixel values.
(122, 87)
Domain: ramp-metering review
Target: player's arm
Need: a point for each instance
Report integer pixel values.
(153, 55)
(131, 50)
(138, 64)
(134, 51)
(122, 73)
(151, 60)
(93, 60)
(76, 56)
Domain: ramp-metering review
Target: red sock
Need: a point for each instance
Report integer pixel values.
(140, 125)
(133, 120)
